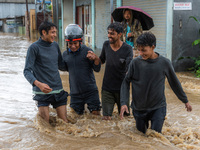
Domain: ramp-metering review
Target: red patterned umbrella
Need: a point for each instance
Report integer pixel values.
(138, 13)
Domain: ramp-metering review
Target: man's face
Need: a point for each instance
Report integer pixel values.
(50, 36)
(113, 36)
(74, 45)
(127, 14)
(146, 51)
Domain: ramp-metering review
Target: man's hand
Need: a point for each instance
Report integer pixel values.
(43, 87)
(123, 109)
(188, 106)
(92, 56)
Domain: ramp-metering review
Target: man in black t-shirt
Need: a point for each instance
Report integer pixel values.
(117, 55)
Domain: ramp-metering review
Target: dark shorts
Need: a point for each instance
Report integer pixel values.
(108, 101)
(91, 98)
(157, 118)
(55, 100)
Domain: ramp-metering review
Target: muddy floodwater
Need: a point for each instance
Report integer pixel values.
(22, 128)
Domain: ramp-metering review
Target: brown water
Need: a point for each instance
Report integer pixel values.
(22, 128)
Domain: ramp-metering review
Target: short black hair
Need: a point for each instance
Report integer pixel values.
(116, 26)
(146, 39)
(46, 25)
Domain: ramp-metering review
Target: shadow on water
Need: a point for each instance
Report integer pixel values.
(22, 128)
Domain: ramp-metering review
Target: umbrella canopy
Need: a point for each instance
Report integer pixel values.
(138, 13)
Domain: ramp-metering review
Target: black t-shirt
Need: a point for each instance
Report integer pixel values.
(116, 65)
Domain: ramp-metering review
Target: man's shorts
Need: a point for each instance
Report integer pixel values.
(90, 98)
(55, 100)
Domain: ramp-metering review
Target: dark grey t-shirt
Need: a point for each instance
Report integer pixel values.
(116, 65)
(148, 83)
(43, 60)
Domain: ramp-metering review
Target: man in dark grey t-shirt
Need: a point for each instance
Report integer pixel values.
(117, 56)
(147, 74)
(43, 60)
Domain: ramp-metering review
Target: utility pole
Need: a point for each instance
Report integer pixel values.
(44, 9)
(111, 9)
(27, 22)
(36, 14)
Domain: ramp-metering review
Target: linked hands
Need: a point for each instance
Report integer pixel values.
(92, 56)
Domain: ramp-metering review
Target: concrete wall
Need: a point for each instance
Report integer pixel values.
(67, 13)
(102, 20)
(9, 10)
(102, 17)
(185, 35)
(81, 2)
(17, 1)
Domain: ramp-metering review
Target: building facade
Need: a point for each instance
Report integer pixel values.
(13, 14)
(185, 31)
(160, 11)
(95, 15)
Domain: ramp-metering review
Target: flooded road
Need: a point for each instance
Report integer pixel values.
(22, 128)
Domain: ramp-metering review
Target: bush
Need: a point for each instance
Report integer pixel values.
(197, 41)
(196, 67)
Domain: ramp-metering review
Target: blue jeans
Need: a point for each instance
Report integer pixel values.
(90, 98)
(157, 118)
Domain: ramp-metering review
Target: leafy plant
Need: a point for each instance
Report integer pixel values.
(48, 7)
(197, 41)
(196, 67)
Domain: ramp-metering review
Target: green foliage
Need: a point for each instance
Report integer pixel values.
(48, 7)
(196, 67)
(196, 42)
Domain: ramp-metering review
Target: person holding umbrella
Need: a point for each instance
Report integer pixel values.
(132, 29)
(134, 20)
